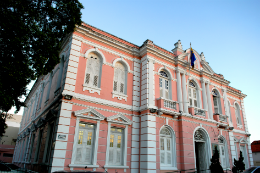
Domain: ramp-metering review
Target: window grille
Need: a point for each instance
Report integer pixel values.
(119, 78)
(93, 70)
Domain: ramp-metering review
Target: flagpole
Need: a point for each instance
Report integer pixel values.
(189, 59)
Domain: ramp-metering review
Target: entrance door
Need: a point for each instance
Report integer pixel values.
(222, 156)
(200, 152)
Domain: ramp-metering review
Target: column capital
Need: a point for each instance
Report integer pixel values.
(204, 80)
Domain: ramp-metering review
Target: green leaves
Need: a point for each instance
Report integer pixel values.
(31, 32)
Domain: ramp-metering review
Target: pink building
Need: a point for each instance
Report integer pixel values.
(112, 105)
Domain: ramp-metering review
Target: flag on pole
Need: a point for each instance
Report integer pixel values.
(192, 58)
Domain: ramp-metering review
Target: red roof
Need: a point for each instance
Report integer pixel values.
(255, 146)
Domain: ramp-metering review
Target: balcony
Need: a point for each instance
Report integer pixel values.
(166, 106)
(222, 120)
(197, 111)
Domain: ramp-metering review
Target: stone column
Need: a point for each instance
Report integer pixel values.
(179, 92)
(205, 103)
(210, 113)
(184, 90)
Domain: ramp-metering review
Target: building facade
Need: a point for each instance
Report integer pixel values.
(112, 105)
(8, 141)
(256, 152)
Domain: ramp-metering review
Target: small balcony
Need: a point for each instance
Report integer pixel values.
(197, 111)
(220, 118)
(166, 106)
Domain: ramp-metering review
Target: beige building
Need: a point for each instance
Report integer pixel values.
(8, 141)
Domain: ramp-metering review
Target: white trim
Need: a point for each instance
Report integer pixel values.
(82, 166)
(124, 155)
(91, 89)
(95, 50)
(208, 146)
(95, 147)
(123, 62)
(167, 70)
(174, 153)
(125, 122)
(120, 96)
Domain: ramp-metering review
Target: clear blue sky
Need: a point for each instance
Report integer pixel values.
(226, 31)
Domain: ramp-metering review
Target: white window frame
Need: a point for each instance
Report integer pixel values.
(243, 148)
(117, 93)
(193, 89)
(89, 87)
(121, 120)
(238, 115)
(224, 144)
(165, 85)
(217, 97)
(173, 165)
(230, 115)
(81, 114)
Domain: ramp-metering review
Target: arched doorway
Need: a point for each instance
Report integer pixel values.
(202, 150)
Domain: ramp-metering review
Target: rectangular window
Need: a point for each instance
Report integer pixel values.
(36, 156)
(31, 148)
(84, 143)
(115, 147)
(49, 143)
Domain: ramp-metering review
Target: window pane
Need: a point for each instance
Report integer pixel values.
(195, 103)
(162, 144)
(80, 137)
(168, 144)
(166, 84)
(89, 138)
(121, 87)
(160, 81)
(162, 157)
(169, 158)
(81, 125)
(215, 101)
(190, 102)
(189, 92)
(111, 140)
(115, 85)
(119, 141)
(194, 94)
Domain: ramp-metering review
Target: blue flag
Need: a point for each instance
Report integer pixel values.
(192, 59)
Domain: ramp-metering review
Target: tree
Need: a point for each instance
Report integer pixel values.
(31, 33)
(215, 166)
(239, 165)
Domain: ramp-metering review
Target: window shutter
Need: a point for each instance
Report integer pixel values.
(115, 85)
(93, 69)
(87, 78)
(119, 78)
(95, 83)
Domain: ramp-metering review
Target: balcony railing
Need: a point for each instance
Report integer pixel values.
(169, 104)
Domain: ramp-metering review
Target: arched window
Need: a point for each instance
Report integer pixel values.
(216, 102)
(93, 71)
(167, 148)
(223, 152)
(164, 84)
(120, 78)
(238, 118)
(230, 116)
(193, 95)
